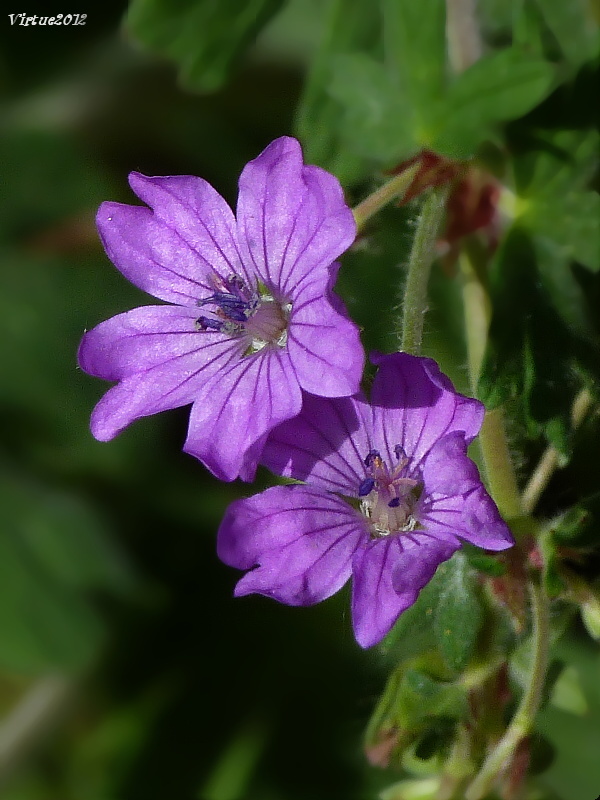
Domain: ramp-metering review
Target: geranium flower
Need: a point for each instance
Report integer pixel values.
(253, 319)
(390, 493)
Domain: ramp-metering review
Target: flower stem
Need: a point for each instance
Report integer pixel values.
(419, 267)
(498, 464)
(550, 458)
(392, 190)
(522, 722)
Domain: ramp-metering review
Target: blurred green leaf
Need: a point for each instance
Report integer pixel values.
(574, 27)
(575, 738)
(567, 693)
(415, 50)
(580, 525)
(53, 550)
(205, 38)
(377, 119)
(348, 29)
(555, 202)
(458, 616)
(499, 87)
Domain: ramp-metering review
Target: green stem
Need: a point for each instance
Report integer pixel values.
(392, 190)
(419, 267)
(523, 720)
(499, 469)
(550, 458)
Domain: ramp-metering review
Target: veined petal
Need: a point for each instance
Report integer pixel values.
(324, 344)
(151, 255)
(388, 575)
(421, 556)
(138, 340)
(299, 540)
(201, 217)
(165, 383)
(473, 517)
(411, 409)
(454, 500)
(292, 219)
(237, 407)
(325, 444)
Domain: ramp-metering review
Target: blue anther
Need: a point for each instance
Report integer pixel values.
(366, 487)
(394, 502)
(205, 323)
(234, 308)
(400, 452)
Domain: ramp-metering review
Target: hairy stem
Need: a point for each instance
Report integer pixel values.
(550, 458)
(522, 722)
(392, 190)
(419, 267)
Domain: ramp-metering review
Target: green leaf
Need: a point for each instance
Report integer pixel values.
(204, 37)
(412, 703)
(499, 87)
(346, 29)
(574, 27)
(555, 202)
(567, 693)
(531, 359)
(458, 616)
(415, 50)
(377, 119)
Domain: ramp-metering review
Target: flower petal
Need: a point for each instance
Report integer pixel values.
(138, 340)
(301, 539)
(454, 500)
(292, 219)
(235, 409)
(414, 409)
(325, 444)
(173, 251)
(324, 344)
(160, 364)
(388, 575)
(201, 217)
(416, 566)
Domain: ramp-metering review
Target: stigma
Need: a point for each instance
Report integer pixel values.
(388, 496)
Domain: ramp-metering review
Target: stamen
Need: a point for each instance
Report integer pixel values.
(394, 502)
(366, 487)
(246, 311)
(205, 323)
(373, 454)
(400, 453)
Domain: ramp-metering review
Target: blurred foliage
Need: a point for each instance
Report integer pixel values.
(108, 575)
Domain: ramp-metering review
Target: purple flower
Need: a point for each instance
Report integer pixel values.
(390, 492)
(253, 319)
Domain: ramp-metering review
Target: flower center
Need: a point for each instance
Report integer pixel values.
(388, 496)
(240, 311)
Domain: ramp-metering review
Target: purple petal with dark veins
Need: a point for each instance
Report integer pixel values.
(324, 445)
(292, 219)
(413, 410)
(236, 407)
(299, 540)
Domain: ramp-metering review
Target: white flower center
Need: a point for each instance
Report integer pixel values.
(388, 497)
